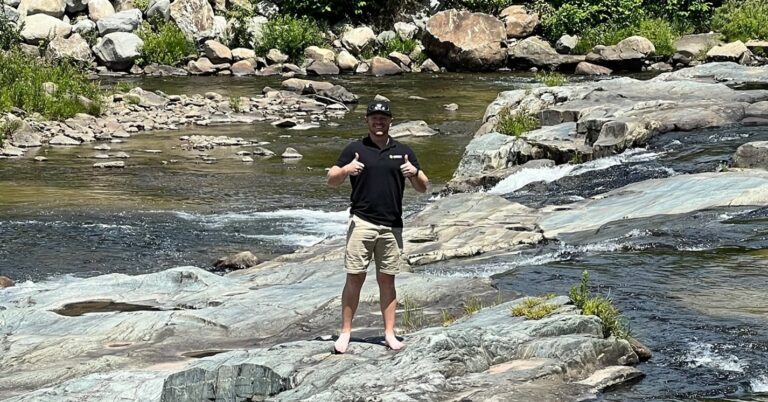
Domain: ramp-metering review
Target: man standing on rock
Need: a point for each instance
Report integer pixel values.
(378, 167)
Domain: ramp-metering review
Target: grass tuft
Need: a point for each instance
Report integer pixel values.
(613, 322)
(413, 316)
(515, 124)
(534, 308)
(472, 305)
(551, 78)
(7, 127)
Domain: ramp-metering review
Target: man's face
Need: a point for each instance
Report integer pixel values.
(378, 124)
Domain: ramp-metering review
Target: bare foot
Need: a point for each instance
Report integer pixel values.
(392, 342)
(341, 344)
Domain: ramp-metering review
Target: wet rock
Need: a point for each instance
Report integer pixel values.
(322, 68)
(380, 67)
(63, 140)
(261, 151)
(451, 107)
(291, 153)
(466, 41)
(418, 128)
(216, 52)
(6, 282)
(752, 155)
(585, 68)
(39, 27)
(193, 17)
(110, 165)
(118, 50)
(611, 376)
(285, 123)
(429, 66)
(729, 52)
(40, 159)
(243, 260)
(358, 40)
(643, 352)
(124, 21)
(661, 66)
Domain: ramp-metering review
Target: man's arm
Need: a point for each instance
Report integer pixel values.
(419, 182)
(337, 175)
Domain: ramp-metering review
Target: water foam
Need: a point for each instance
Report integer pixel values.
(705, 355)
(550, 174)
(759, 384)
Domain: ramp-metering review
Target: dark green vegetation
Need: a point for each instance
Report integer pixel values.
(7, 127)
(613, 322)
(10, 34)
(21, 86)
(164, 43)
(510, 123)
(660, 32)
(291, 35)
(742, 19)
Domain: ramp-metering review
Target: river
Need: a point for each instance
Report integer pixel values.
(693, 287)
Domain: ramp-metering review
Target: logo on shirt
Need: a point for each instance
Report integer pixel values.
(395, 156)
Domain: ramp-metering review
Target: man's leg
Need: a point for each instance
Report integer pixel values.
(350, 298)
(388, 300)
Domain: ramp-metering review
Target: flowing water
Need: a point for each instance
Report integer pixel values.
(692, 286)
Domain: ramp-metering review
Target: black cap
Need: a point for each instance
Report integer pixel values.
(381, 107)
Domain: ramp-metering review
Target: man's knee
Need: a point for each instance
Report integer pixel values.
(385, 280)
(356, 280)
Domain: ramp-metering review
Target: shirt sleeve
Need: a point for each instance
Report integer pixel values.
(347, 155)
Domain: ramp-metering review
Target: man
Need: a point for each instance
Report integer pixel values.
(378, 167)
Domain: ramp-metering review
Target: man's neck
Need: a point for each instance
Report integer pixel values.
(380, 140)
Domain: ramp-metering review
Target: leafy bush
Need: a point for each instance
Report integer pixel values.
(21, 85)
(576, 16)
(551, 79)
(164, 43)
(742, 20)
(10, 34)
(141, 4)
(381, 14)
(658, 31)
(7, 127)
(686, 15)
(397, 44)
(237, 34)
(515, 123)
(482, 6)
(613, 322)
(291, 35)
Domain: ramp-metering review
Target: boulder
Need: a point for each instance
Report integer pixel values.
(381, 66)
(72, 48)
(320, 54)
(629, 54)
(6, 282)
(194, 18)
(406, 30)
(40, 27)
(244, 67)
(243, 260)
(385, 37)
(155, 69)
(322, 68)
(243, 54)
(660, 66)
(460, 40)
(537, 52)
(146, 99)
(400, 59)
(160, 9)
(63, 140)
(276, 56)
(84, 27)
(291, 153)
(755, 44)
(98, 9)
(346, 61)
(118, 50)
(358, 39)
(217, 52)
(201, 66)
(123, 21)
(418, 128)
(304, 86)
(11, 13)
(519, 22)
(752, 155)
(362, 68)
(429, 66)
(694, 47)
(585, 68)
(729, 52)
(54, 8)
(339, 94)
(566, 44)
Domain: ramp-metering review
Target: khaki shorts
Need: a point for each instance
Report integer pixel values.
(366, 240)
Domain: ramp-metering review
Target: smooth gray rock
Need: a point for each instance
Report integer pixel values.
(322, 68)
(724, 72)
(339, 94)
(585, 68)
(118, 50)
(380, 66)
(40, 27)
(159, 9)
(752, 155)
(566, 44)
(72, 48)
(695, 47)
(358, 40)
(629, 54)
(417, 128)
(729, 52)
(124, 21)
(54, 8)
(537, 52)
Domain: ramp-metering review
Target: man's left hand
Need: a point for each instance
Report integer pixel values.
(408, 169)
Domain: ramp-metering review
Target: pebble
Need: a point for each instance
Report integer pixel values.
(40, 158)
(247, 159)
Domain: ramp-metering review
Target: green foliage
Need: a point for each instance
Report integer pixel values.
(576, 16)
(141, 4)
(123, 86)
(483, 6)
(236, 104)
(613, 322)
(7, 127)
(551, 78)
(291, 35)
(472, 305)
(397, 44)
(534, 308)
(21, 85)
(686, 15)
(413, 316)
(10, 34)
(381, 14)
(658, 31)
(742, 20)
(515, 124)
(237, 34)
(164, 43)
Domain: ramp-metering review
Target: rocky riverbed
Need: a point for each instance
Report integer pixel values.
(187, 334)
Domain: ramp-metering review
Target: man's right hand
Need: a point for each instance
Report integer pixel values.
(355, 167)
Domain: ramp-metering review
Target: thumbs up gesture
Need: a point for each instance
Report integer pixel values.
(408, 169)
(355, 167)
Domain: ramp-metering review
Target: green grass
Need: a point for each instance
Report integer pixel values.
(613, 322)
(660, 32)
(10, 33)
(535, 308)
(742, 20)
(7, 127)
(551, 79)
(21, 85)
(164, 43)
(412, 317)
(515, 124)
(141, 4)
(447, 318)
(123, 87)
(472, 305)
(291, 35)
(236, 104)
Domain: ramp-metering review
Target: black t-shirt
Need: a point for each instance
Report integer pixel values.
(377, 192)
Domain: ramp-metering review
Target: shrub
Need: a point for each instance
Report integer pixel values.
(658, 31)
(141, 4)
(164, 43)
(515, 124)
(481, 6)
(575, 17)
(7, 127)
(381, 14)
(534, 308)
(397, 44)
(613, 322)
(686, 15)
(551, 79)
(742, 20)
(291, 35)
(237, 34)
(21, 85)
(10, 33)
